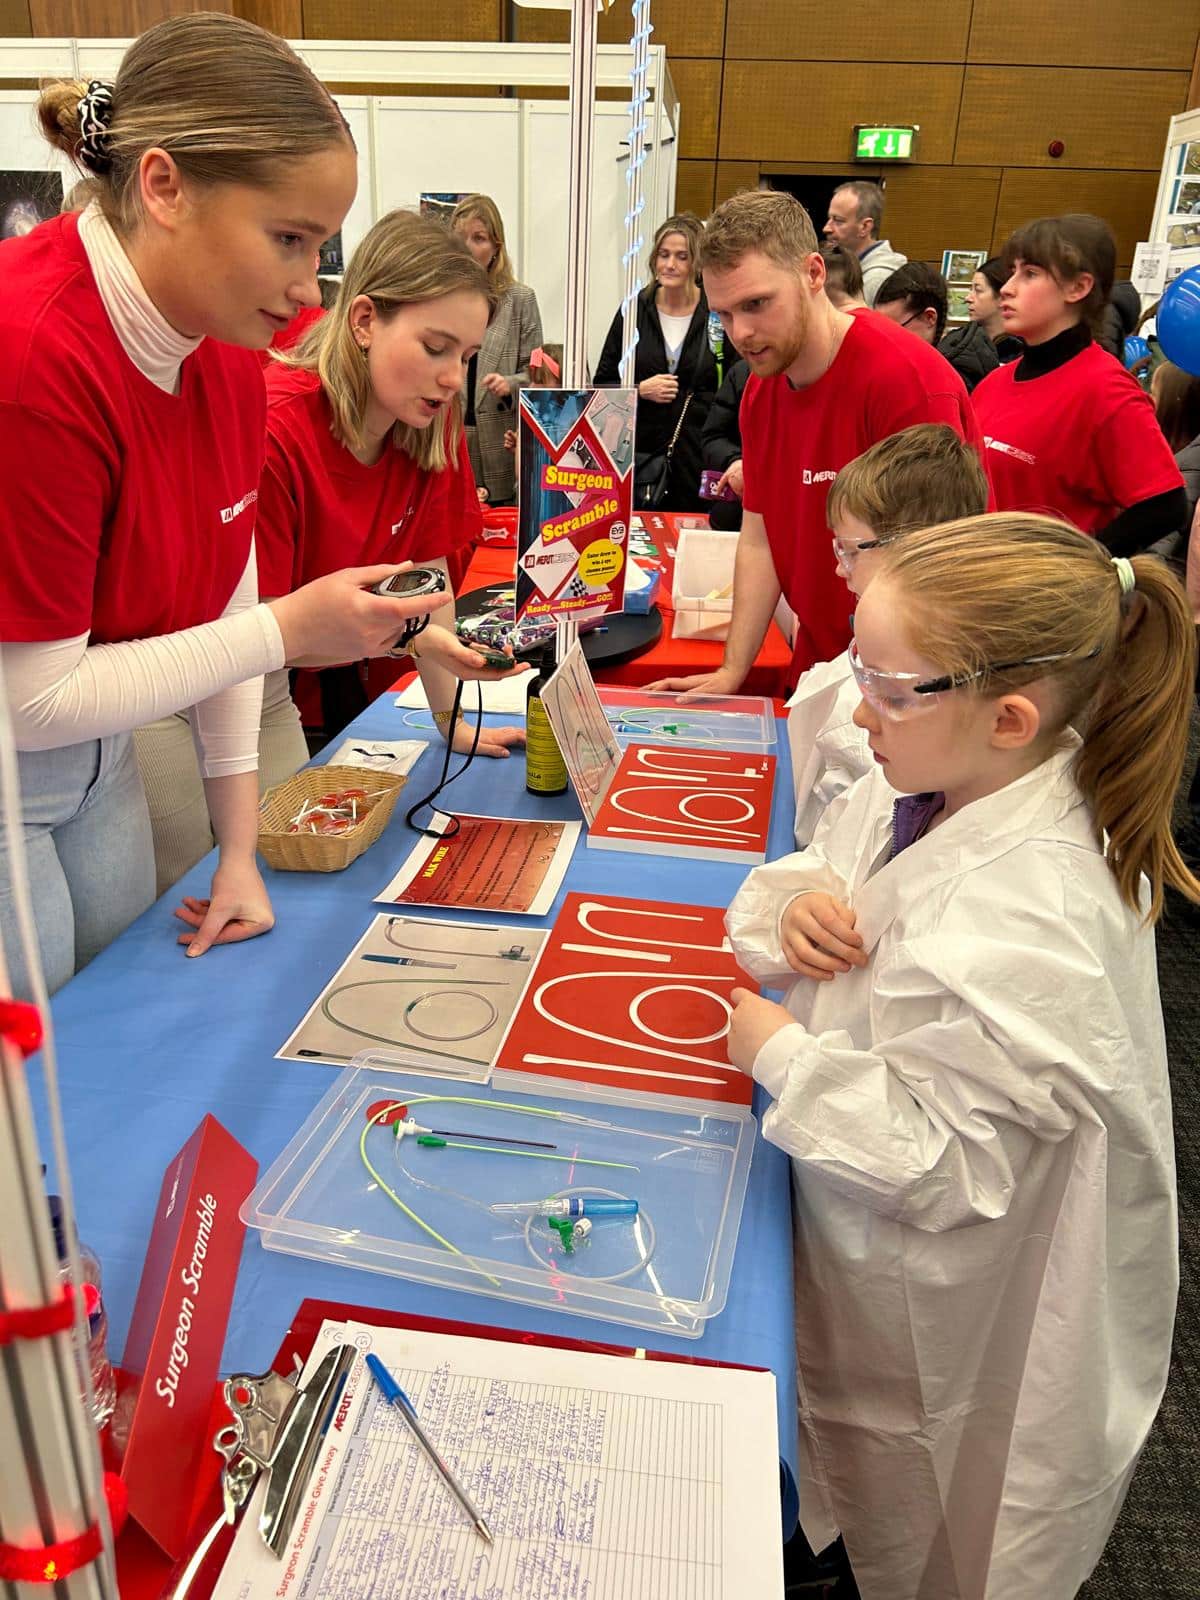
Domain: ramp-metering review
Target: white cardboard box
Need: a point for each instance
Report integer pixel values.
(702, 591)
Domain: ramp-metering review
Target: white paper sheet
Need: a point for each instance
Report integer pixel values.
(397, 756)
(506, 695)
(598, 1475)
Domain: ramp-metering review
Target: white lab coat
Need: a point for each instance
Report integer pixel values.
(828, 752)
(980, 1127)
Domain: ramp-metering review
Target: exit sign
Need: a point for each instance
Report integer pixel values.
(884, 144)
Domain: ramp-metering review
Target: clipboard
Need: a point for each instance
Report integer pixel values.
(145, 1574)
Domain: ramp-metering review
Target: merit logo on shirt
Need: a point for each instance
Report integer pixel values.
(1009, 450)
(235, 510)
(809, 476)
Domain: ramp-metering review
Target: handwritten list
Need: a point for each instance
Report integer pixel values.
(601, 1478)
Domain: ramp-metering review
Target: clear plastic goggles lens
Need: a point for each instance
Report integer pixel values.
(892, 694)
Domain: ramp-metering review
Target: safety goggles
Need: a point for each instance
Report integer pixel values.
(901, 695)
(847, 551)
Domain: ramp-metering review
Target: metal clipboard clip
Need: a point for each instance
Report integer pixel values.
(277, 1428)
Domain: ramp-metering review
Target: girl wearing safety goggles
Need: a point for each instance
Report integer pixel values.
(970, 1072)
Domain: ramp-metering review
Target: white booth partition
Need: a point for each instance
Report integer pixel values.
(515, 150)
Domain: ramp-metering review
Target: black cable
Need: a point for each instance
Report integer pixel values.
(448, 777)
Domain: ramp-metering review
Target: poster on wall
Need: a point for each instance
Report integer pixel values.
(27, 198)
(576, 490)
(440, 204)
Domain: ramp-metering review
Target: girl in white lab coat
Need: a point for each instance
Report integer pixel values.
(912, 479)
(970, 1072)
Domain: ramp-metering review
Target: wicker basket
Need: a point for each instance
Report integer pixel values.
(320, 852)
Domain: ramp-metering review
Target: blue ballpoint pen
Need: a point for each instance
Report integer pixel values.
(395, 1396)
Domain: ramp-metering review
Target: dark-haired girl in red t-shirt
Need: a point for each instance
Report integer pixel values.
(1067, 430)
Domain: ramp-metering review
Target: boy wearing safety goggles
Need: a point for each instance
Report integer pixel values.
(918, 477)
(974, 1089)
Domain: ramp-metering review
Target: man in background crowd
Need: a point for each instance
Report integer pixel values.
(916, 297)
(854, 221)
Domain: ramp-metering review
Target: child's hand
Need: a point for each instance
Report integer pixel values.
(819, 940)
(754, 1021)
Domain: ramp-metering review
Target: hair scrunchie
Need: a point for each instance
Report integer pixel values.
(95, 114)
(1126, 576)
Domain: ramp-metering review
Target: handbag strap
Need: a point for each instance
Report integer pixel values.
(678, 427)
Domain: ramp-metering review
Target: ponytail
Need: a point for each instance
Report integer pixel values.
(1135, 740)
(1013, 587)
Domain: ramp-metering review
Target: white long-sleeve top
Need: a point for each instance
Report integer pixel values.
(65, 691)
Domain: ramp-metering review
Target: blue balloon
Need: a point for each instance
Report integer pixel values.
(1178, 321)
(1136, 349)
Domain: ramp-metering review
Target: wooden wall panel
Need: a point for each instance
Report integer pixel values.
(1124, 199)
(1110, 119)
(686, 27)
(694, 183)
(14, 19)
(771, 30)
(284, 17)
(109, 19)
(413, 19)
(698, 84)
(733, 176)
(1103, 34)
(930, 209)
(806, 110)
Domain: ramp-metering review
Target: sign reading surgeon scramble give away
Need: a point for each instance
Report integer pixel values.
(576, 489)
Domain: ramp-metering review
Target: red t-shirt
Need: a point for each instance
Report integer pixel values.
(1082, 442)
(796, 441)
(126, 512)
(292, 334)
(320, 509)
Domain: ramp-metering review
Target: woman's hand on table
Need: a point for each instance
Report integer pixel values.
(661, 389)
(238, 908)
(499, 743)
(754, 1021)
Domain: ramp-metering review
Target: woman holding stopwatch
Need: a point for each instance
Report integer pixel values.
(131, 442)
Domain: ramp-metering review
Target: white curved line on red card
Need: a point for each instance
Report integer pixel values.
(586, 907)
(608, 1038)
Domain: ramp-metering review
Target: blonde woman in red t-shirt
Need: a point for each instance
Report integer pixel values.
(131, 445)
(1067, 429)
(366, 462)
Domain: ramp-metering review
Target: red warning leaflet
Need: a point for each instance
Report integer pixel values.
(676, 801)
(632, 994)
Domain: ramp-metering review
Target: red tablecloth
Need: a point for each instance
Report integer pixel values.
(670, 657)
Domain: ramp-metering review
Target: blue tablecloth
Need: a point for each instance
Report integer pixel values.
(149, 1041)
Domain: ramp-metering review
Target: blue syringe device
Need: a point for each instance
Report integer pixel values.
(572, 1206)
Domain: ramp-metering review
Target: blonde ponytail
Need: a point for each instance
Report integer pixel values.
(1135, 740)
(1012, 587)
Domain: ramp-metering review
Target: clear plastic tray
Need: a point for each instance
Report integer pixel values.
(667, 1269)
(655, 716)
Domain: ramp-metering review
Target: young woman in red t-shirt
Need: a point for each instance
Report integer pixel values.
(1067, 429)
(366, 454)
(131, 446)
(366, 462)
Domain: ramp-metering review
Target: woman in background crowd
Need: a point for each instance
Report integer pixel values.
(679, 364)
(501, 365)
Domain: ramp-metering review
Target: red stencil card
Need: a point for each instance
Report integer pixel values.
(678, 801)
(632, 994)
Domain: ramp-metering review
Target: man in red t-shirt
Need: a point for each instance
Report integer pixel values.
(824, 385)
